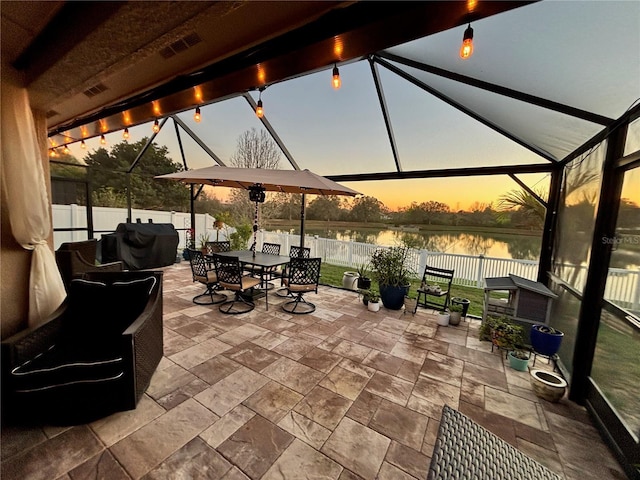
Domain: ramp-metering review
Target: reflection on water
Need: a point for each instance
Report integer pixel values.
(489, 245)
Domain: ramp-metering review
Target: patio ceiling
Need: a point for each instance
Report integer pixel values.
(548, 75)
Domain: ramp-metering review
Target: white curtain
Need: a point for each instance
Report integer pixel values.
(28, 204)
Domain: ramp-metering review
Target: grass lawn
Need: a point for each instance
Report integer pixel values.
(332, 275)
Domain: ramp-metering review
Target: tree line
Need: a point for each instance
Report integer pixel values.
(106, 171)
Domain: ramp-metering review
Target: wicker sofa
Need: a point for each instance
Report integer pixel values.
(94, 356)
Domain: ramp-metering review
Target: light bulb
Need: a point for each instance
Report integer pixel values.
(103, 141)
(125, 133)
(156, 126)
(83, 145)
(336, 78)
(196, 116)
(65, 150)
(259, 110)
(52, 152)
(466, 50)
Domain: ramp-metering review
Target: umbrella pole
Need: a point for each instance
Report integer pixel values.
(302, 202)
(255, 230)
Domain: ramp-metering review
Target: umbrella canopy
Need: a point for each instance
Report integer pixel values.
(289, 181)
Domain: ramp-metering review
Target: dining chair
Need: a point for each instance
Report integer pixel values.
(268, 273)
(206, 276)
(294, 252)
(230, 277)
(303, 277)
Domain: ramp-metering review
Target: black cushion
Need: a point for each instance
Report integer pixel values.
(98, 313)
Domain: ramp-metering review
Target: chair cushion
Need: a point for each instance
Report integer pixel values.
(61, 366)
(98, 311)
(210, 278)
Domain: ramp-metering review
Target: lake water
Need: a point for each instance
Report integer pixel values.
(522, 247)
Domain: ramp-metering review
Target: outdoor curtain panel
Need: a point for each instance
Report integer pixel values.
(28, 204)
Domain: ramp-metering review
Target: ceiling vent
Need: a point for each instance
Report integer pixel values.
(51, 113)
(95, 90)
(181, 45)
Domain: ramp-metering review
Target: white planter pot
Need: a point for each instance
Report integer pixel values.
(548, 385)
(373, 306)
(350, 280)
(443, 319)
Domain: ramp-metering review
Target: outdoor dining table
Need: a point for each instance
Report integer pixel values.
(264, 261)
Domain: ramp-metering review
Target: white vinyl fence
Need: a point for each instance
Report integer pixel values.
(106, 220)
(623, 286)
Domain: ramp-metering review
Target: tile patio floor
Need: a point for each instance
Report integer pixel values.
(340, 394)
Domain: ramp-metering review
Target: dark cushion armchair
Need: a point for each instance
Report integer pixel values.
(94, 356)
(74, 259)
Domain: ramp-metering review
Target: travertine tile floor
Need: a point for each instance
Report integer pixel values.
(340, 394)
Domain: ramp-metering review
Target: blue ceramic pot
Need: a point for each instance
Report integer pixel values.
(393, 297)
(546, 340)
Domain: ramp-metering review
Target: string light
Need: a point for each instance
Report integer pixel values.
(65, 150)
(336, 82)
(259, 109)
(52, 152)
(156, 126)
(125, 134)
(103, 141)
(466, 50)
(196, 116)
(83, 145)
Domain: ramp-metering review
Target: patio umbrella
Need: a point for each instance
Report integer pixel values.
(257, 179)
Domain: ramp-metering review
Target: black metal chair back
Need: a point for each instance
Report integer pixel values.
(271, 248)
(218, 246)
(205, 275)
(198, 264)
(229, 271)
(303, 277)
(294, 251)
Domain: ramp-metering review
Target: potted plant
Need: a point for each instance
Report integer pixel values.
(546, 340)
(392, 275)
(365, 295)
(203, 239)
(364, 279)
(508, 336)
(455, 313)
(519, 359)
(409, 304)
(374, 301)
(443, 318)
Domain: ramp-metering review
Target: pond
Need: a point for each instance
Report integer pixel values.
(500, 245)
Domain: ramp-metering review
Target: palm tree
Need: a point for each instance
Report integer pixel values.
(524, 203)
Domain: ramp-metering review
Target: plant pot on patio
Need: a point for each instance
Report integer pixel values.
(350, 280)
(548, 385)
(519, 360)
(546, 340)
(443, 319)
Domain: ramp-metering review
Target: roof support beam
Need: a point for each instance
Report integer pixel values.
(529, 190)
(447, 172)
(272, 131)
(385, 113)
(197, 139)
(500, 90)
(462, 108)
(146, 146)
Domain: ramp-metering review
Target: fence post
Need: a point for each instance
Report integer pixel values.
(479, 275)
(422, 262)
(636, 297)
